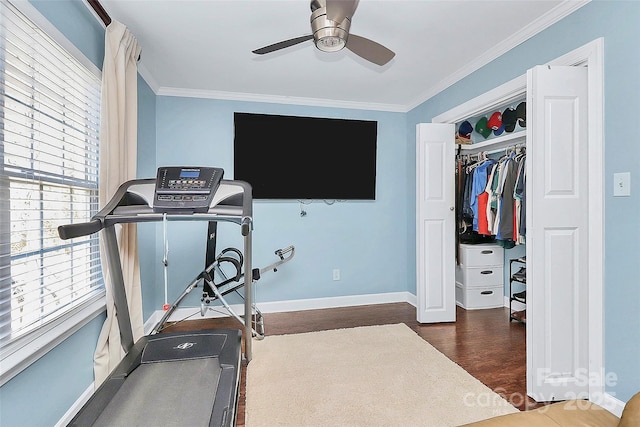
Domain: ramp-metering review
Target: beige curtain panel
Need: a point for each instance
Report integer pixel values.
(118, 148)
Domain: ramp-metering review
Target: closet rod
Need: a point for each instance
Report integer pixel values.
(505, 149)
(97, 7)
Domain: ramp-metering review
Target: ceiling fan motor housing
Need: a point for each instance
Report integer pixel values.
(330, 33)
(329, 36)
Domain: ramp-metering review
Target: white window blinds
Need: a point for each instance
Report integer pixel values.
(49, 124)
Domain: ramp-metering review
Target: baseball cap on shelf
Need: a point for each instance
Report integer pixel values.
(521, 114)
(462, 140)
(509, 119)
(482, 128)
(495, 121)
(465, 129)
(499, 131)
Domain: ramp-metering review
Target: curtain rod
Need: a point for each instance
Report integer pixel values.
(97, 7)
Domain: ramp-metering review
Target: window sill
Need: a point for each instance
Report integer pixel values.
(24, 351)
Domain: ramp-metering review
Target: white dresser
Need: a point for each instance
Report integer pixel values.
(480, 276)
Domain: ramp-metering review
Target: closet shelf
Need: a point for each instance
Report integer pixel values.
(503, 141)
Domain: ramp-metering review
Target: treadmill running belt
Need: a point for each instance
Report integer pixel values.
(179, 393)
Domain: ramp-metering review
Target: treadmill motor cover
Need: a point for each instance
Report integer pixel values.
(182, 347)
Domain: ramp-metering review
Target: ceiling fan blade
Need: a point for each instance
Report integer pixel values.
(282, 44)
(337, 10)
(369, 50)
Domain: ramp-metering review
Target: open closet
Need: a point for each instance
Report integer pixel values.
(491, 222)
(562, 246)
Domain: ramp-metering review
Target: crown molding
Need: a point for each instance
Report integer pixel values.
(545, 21)
(556, 14)
(275, 99)
(147, 75)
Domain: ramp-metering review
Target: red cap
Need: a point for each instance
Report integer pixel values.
(495, 121)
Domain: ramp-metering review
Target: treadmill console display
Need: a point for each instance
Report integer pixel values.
(185, 189)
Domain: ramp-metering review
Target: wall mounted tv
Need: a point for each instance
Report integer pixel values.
(290, 157)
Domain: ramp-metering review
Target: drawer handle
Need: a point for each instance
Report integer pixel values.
(487, 251)
(486, 292)
(486, 272)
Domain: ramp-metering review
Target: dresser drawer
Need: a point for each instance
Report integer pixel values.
(472, 277)
(478, 298)
(481, 255)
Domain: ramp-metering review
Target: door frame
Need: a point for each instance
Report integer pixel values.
(590, 55)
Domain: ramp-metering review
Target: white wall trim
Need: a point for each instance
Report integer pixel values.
(610, 403)
(489, 101)
(75, 408)
(516, 305)
(23, 351)
(275, 99)
(287, 306)
(334, 302)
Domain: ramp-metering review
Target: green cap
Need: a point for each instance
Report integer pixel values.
(482, 128)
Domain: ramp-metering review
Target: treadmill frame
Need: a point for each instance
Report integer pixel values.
(133, 203)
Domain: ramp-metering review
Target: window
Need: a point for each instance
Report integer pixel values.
(49, 124)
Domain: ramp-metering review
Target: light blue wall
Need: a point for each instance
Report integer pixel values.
(618, 22)
(44, 392)
(354, 237)
(73, 19)
(146, 169)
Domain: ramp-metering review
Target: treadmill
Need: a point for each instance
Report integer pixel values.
(176, 378)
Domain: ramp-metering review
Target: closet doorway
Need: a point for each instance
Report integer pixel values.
(557, 367)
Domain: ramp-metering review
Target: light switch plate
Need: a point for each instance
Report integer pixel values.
(622, 184)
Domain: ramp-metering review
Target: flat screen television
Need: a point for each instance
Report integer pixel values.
(291, 157)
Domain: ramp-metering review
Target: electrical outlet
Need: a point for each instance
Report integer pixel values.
(622, 184)
(336, 274)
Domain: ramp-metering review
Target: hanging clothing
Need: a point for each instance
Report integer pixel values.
(467, 212)
(505, 232)
(492, 199)
(480, 176)
(484, 209)
(519, 194)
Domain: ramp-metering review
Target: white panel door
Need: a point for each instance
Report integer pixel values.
(557, 233)
(435, 227)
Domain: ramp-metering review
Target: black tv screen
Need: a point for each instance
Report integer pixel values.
(290, 157)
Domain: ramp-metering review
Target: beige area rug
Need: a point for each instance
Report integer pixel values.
(367, 376)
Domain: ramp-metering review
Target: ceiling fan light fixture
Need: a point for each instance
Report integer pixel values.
(330, 44)
(329, 36)
(330, 39)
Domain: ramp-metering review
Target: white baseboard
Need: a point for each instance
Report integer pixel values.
(609, 402)
(515, 305)
(285, 306)
(334, 302)
(75, 408)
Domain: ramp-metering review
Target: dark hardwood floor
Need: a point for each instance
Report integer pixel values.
(484, 342)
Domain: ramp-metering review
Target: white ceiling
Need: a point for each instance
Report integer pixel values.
(202, 48)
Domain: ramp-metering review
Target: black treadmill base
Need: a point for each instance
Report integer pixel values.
(171, 379)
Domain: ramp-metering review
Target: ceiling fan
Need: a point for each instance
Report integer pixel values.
(330, 22)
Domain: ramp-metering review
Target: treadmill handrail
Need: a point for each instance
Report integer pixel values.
(117, 211)
(70, 231)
